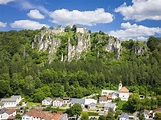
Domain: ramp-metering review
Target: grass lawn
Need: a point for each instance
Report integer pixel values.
(33, 104)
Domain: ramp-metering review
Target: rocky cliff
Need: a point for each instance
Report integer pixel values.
(47, 40)
(83, 44)
(114, 45)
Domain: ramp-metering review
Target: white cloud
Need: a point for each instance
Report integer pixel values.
(141, 10)
(24, 4)
(35, 14)
(66, 17)
(27, 24)
(2, 24)
(4, 2)
(134, 31)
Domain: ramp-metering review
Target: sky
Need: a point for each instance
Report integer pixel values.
(124, 19)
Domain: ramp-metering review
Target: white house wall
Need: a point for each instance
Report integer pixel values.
(124, 96)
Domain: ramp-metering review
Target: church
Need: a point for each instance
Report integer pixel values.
(122, 93)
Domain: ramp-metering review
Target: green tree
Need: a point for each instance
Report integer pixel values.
(4, 88)
(141, 117)
(159, 100)
(110, 115)
(157, 116)
(76, 109)
(101, 117)
(67, 29)
(57, 90)
(134, 102)
(18, 117)
(84, 116)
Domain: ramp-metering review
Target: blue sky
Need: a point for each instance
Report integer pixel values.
(124, 19)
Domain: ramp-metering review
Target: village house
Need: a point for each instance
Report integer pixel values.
(124, 116)
(90, 103)
(47, 101)
(1, 105)
(146, 114)
(103, 100)
(7, 113)
(92, 106)
(155, 111)
(79, 101)
(122, 93)
(58, 102)
(66, 100)
(113, 93)
(38, 114)
(17, 98)
(107, 106)
(13, 101)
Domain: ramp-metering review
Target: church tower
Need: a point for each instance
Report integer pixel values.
(120, 86)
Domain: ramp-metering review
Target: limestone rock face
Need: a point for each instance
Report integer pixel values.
(83, 43)
(46, 41)
(51, 41)
(140, 49)
(114, 45)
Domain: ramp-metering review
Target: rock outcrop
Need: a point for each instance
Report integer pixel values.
(140, 49)
(47, 40)
(83, 43)
(114, 45)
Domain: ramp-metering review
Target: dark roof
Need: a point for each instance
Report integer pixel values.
(59, 99)
(1, 103)
(124, 115)
(48, 99)
(66, 98)
(77, 100)
(8, 100)
(3, 110)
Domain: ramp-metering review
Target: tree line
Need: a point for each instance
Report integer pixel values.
(26, 71)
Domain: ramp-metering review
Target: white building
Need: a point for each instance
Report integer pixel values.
(146, 114)
(17, 98)
(124, 116)
(11, 102)
(47, 101)
(89, 101)
(58, 102)
(113, 93)
(123, 92)
(107, 106)
(66, 100)
(7, 113)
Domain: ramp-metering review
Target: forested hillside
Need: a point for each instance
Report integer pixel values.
(36, 73)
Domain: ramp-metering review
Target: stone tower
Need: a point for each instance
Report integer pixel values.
(120, 86)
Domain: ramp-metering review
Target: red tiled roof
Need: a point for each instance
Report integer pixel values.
(157, 110)
(10, 111)
(57, 116)
(45, 115)
(124, 90)
(59, 99)
(11, 118)
(109, 97)
(102, 98)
